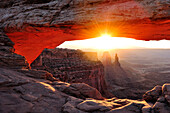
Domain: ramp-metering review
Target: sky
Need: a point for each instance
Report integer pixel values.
(106, 42)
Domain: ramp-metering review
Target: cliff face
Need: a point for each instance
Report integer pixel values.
(8, 58)
(33, 91)
(37, 24)
(21, 92)
(73, 66)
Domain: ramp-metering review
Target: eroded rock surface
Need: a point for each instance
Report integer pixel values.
(79, 90)
(7, 56)
(73, 66)
(37, 91)
(34, 25)
(159, 96)
(153, 94)
(21, 93)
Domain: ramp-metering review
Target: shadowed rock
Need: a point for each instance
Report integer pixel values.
(153, 95)
(21, 93)
(7, 56)
(79, 90)
(159, 96)
(73, 66)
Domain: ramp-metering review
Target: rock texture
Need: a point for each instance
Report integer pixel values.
(25, 92)
(160, 97)
(37, 91)
(73, 66)
(7, 56)
(34, 25)
(153, 95)
(37, 24)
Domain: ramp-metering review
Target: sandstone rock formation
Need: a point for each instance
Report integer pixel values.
(73, 66)
(37, 91)
(34, 25)
(23, 93)
(153, 95)
(79, 90)
(7, 56)
(160, 97)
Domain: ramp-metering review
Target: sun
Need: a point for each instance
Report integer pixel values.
(105, 36)
(103, 42)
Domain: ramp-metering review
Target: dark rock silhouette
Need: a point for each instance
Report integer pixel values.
(116, 63)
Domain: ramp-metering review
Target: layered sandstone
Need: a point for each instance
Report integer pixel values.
(21, 93)
(8, 58)
(73, 66)
(37, 24)
(37, 91)
(26, 92)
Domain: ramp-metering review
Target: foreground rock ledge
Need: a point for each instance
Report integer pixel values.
(24, 91)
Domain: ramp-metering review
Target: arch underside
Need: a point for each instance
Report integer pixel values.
(36, 25)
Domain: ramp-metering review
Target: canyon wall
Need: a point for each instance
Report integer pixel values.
(37, 24)
(73, 66)
(25, 90)
(8, 59)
